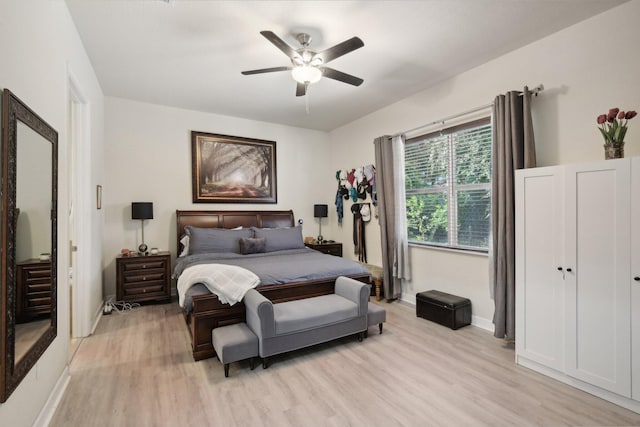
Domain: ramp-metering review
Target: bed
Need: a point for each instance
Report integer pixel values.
(204, 311)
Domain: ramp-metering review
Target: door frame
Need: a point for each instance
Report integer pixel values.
(79, 130)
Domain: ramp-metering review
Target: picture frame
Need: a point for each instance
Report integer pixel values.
(98, 196)
(233, 169)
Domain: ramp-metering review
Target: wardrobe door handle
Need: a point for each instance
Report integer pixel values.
(559, 268)
(569, 270)
(637, 278)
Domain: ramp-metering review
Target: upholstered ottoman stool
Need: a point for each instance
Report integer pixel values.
(376, 315)
(233, 343)
(376, 275)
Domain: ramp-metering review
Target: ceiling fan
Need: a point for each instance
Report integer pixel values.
(308, 65)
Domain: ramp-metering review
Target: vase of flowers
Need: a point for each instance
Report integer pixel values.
(613, 127)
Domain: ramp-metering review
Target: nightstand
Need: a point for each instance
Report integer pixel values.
(334, 249)
(143, 277)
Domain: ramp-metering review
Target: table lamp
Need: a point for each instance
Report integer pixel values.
(142, 211)
(320, 211)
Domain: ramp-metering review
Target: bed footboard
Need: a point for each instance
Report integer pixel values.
(209, 313)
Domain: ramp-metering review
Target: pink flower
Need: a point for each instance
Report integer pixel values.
(602, 118)
(630, 115)
(621, 115)
(612, 114)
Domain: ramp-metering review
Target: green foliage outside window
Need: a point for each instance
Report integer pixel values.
(435, 202)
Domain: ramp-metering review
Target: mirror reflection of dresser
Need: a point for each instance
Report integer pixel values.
(33, 289)
(33, 303)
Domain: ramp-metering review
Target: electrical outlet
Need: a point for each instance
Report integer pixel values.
(107, 308)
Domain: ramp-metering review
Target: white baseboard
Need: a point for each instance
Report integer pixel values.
(410, 298)
(46, 414)
(97, 316)
(480, 322)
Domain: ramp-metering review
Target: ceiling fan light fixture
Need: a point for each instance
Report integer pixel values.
(308, 66)
(306, 73)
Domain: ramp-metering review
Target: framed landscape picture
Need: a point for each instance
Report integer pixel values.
(231, 169)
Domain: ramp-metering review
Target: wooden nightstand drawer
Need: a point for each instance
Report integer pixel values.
(37, 273)
(143, 278)
(36, 301)
(334, 249)
(150, 288)
(38, 288)
(146, 264)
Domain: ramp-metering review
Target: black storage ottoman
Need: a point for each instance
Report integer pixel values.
(446, 309)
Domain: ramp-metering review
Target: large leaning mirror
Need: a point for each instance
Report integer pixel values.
(28, 240)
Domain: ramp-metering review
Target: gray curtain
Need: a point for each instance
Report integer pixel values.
(513, 148)
(391, 213)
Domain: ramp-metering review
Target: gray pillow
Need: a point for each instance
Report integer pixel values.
(213, 240)
(252, 245)
(279, 239)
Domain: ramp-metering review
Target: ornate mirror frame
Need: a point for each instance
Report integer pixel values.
(12, 371)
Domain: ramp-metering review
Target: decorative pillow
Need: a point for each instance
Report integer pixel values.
(213, 240)
(185, 246)
(252, 245)
(279, 239)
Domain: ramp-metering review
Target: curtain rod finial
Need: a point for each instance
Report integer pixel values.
(536, 90)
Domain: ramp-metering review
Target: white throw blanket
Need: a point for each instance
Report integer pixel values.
(228, 282)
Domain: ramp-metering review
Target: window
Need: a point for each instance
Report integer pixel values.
(448, 186)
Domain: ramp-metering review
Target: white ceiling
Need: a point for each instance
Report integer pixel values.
(189, 54)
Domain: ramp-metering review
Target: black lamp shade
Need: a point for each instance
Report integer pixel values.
(141, 210)
(320, 211)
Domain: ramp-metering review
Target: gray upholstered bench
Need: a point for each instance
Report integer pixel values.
(292, 325)
(376, 315)
(233, 343)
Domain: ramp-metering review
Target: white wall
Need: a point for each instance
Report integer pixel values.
(148, 159)
(586, 69)
(38, 42)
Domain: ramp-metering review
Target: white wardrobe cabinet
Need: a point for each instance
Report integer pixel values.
(576, 297)
(635, 274)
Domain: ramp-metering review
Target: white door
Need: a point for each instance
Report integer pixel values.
(597, 227)
(539, 283)
(635, 276)
(71, 222)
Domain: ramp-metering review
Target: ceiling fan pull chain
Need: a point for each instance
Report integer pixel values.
(306, 101)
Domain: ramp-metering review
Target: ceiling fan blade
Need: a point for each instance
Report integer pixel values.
(339, 49)
(340, 76)
(301, 89)
(280, 44)
(266, 70)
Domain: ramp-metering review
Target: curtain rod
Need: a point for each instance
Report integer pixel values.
(442, 121)
(535, 91)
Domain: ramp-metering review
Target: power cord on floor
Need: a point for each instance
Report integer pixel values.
(118, 306)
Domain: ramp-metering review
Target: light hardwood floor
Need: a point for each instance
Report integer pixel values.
(137, 370)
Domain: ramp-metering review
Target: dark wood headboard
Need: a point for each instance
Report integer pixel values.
(231, 219)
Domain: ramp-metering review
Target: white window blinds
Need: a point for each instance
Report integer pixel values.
(448, 186)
